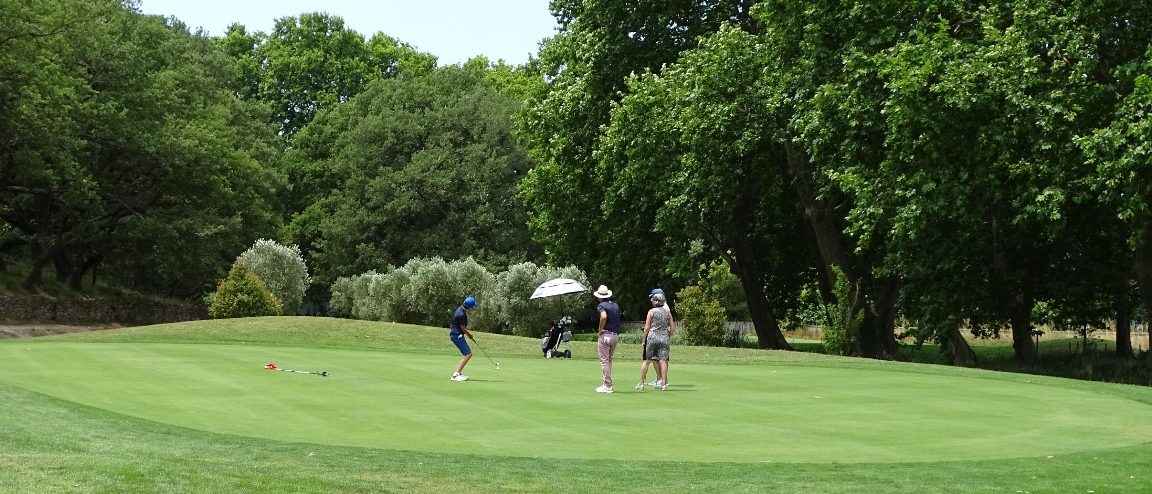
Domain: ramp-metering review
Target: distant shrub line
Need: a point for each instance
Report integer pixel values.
(426, 291)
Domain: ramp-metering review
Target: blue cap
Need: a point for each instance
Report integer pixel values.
(469, 302)
(656, 291)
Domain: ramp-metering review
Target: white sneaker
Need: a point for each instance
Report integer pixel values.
(603, 389)
(459, 377)
(640, 387)
(653, 383)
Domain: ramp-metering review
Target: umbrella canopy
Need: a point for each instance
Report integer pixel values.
(557, 286)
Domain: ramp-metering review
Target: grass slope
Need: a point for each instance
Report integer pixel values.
(186, 408)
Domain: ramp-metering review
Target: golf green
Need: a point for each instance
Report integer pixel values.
(547, 408)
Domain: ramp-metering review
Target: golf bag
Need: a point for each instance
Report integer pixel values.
(558, 332)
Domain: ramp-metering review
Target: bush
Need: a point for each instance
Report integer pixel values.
(436, 288)
(842, 333)
(427, 291)
(282, 269)
(243, 294)
(351, 296)
(423, 291)
(702, 320)
(723, 287)
(530, 317)
(343, 296)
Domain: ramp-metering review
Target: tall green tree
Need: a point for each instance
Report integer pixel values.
(414, 166)
(1122, 160)
(599, 44)
(982, 185)
(42, 89)
(154, 161)
(311, 62)
(687, 153)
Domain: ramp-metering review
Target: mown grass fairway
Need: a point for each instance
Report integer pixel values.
(189, 408)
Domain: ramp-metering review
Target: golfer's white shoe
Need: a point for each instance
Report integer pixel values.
(604, 389)
(640, 387)
(459, 377)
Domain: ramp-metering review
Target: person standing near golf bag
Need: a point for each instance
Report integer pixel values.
(457, 330)
(608, 335)
(658, 329)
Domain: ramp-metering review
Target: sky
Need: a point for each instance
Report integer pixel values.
(453, 30)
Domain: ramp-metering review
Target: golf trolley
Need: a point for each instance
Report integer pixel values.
(558, 332)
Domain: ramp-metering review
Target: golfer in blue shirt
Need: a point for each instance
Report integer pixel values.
(457, 331)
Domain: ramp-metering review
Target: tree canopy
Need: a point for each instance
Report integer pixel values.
(919, 166)
(934, 151)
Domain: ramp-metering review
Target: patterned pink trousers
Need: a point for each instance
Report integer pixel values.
(606, 347)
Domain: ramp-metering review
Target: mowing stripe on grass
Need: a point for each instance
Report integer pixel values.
(545, 408)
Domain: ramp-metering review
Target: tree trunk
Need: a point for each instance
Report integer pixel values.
(63, 264)
(1144, 278)
(1021, 314)
(876, 338)
(1123, 319)
(76, 277)
(1018, 300)
(957, 349)
(768, 333)
(829, 237)
(878, 333)
(40, 259)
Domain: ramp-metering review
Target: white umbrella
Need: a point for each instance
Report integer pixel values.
(558, 286)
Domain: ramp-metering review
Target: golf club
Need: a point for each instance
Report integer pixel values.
(494, 363)
(272, 366)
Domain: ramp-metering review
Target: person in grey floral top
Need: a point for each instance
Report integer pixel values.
(658, 330)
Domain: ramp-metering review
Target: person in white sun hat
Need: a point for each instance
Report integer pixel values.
(608, 335)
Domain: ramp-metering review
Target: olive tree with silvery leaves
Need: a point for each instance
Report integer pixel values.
(530, 317)
(282, 268)
(423, 291)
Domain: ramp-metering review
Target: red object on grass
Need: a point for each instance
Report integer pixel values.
(270, 366)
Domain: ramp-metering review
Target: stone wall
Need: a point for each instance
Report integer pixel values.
(122, 310)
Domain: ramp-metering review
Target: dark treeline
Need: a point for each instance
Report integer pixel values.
(946, 164)
(147, 156)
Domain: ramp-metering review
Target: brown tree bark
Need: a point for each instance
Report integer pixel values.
(825, 225)
(1123, 319)
(76, 277)
(63, 264)
(1021, 314)
(877, 337)
(1144, 278)
(1018, 300)
(35, 275)
(958, 350)
(767, 326)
